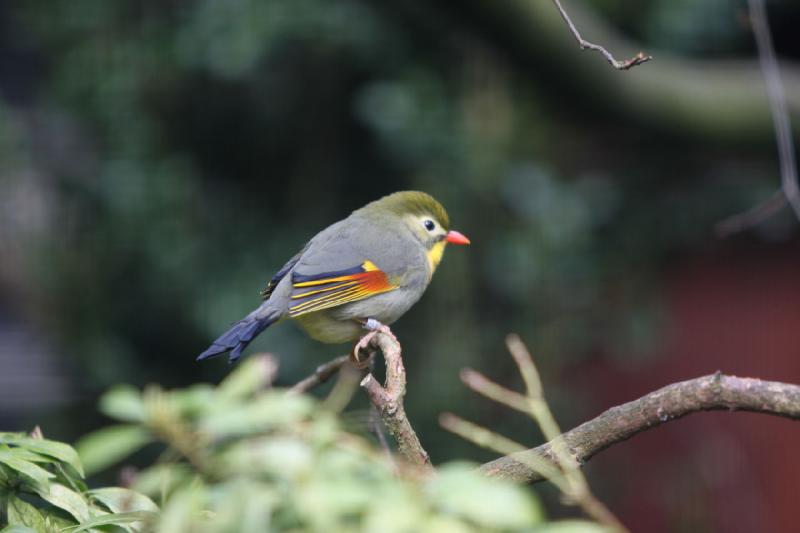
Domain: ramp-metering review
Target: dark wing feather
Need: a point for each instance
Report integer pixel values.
(279, 275)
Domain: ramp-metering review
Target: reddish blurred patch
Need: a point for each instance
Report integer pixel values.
(733, 472)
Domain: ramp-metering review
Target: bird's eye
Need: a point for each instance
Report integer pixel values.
(429, 224)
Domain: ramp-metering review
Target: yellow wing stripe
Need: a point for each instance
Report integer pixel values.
(310, 293)
(327, 298)
(319, 306)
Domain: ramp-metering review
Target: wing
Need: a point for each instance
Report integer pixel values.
(316, 292)
(273, 282)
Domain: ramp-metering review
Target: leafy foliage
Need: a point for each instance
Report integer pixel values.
(42, 490)
(247, 457)
(243, 456)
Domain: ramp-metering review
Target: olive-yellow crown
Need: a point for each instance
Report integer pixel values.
(411, 203)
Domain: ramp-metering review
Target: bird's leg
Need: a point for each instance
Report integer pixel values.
(374, 327)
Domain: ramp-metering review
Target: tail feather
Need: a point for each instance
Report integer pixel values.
(237, 337)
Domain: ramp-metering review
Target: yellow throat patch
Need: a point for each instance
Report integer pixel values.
(435, 255)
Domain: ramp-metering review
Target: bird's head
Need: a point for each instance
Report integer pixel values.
(425, 218)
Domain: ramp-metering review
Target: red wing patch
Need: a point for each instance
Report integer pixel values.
(330, 289)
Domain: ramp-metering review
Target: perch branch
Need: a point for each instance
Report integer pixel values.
(708, 393)
(322, 374)
(388, 398)
(626, 64)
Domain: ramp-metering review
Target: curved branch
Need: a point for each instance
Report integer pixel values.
(388, 398)
(707, 393)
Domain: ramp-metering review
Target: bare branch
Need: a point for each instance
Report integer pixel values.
(777, 103)
(707, 393)
(789, 191)
(344, 389)
(488, 388)
(627, 64)
(752, 217)
(321, 375)
(483, 437)
(388, 398)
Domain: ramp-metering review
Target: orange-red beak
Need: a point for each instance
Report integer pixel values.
(455, 237)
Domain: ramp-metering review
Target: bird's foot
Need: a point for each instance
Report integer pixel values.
(374, 327)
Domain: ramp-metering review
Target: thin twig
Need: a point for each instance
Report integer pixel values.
(577, 487)
(708, 393)
(789, 191)
(486, 438)
(479, 435)
(752, 217)
(627, 64)
(322, 374)
(344, 389)
(777, 103)
(488, 388)
(561, 468)
(376, 428)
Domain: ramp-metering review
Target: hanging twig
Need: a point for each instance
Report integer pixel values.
(789, 191)
(627, 64)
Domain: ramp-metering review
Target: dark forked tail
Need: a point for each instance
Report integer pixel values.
(239, 336)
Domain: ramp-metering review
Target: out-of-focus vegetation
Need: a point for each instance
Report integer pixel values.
(159, 160)
(242, 457)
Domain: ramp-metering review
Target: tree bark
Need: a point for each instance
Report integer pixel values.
(708, 393)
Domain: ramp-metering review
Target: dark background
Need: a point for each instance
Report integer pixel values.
(159, 160)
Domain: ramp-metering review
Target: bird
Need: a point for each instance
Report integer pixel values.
(363, 272)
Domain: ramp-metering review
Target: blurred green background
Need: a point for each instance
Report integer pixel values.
(159, 160)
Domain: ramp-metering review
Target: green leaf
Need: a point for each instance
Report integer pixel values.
(121, 500)
(195, 400)
(268, 411)
(161, 479)
(109, 445)
(21, 513)
(37, 474)
(246, 379)
(16, 528)
(68, 500)
(183, 509)
(286, 457)
(120, 519)
(123, 402)
(571, 526)
(28, 455)
(461, 491)
(58, 450)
